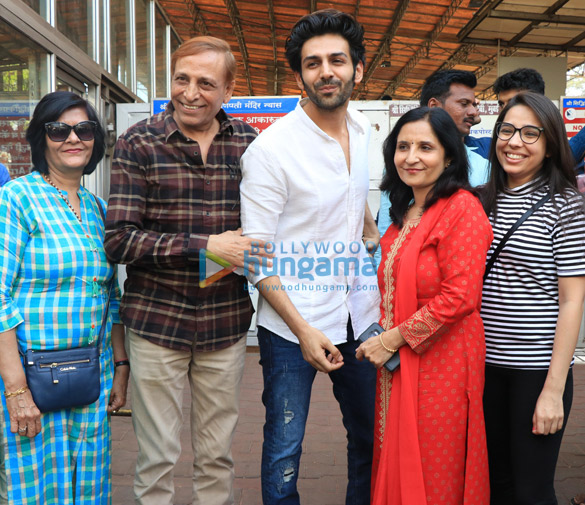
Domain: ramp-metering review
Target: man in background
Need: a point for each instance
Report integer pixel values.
(506, 87)
(4, 173)
(454, 91)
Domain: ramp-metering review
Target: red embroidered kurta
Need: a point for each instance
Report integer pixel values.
(429, 434)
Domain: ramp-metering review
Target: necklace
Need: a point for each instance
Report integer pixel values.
(48, 179)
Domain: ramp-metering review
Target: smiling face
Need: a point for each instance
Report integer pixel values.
(327, 73)
(73, 154)
(419, 157)
(521, 161)
(199, 88)
(461, 106)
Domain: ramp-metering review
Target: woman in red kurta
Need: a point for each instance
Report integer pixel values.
(429, 445)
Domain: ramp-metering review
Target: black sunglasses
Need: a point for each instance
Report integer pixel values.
(59, 132)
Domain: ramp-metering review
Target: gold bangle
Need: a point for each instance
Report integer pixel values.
(384, 345)
(20, 391)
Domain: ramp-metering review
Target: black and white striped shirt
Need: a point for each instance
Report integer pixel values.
(520, 303)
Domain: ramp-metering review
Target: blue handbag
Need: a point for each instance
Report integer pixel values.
(66, 378)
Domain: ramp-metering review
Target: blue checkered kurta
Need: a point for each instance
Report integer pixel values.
(53, 283)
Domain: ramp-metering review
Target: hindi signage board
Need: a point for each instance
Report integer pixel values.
(257, 111)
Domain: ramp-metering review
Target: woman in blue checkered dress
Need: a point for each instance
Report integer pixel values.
(54, 278)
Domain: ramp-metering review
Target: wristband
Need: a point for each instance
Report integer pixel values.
(123, 362)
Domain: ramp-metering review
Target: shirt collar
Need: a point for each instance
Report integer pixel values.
(226, 123)
(528, 187)
(351, 118)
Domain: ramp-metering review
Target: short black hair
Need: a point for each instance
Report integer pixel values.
(49, 109)
(323, 22)
(521, 79)
(454, 177)
(438, 85)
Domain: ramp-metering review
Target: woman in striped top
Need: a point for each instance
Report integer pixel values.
(532, 299)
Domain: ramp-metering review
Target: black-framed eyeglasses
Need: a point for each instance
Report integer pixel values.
(528, 134)
(59, 132)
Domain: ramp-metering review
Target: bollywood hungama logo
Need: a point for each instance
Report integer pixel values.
(307, 261)
(227, 269)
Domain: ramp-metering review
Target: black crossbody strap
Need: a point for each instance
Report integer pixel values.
(105, 319)
(514, 227)
(110, 284)
(101, 209)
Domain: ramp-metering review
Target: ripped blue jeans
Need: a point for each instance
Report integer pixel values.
(288, 380)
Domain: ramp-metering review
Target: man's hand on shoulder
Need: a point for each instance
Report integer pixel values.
(232, 247)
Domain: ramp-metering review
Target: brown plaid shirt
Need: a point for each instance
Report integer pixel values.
(164, 203)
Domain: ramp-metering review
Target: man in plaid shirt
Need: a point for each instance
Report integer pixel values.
(174, 192)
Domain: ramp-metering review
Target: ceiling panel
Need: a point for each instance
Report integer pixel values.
(406, 40)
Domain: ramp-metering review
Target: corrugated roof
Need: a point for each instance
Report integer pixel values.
(406, 40)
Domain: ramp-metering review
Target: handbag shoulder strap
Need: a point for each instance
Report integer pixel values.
(105, 319)
(509, 233)
(102, 213)
(110, 284)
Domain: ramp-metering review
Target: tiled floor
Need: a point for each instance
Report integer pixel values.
(323, 465)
